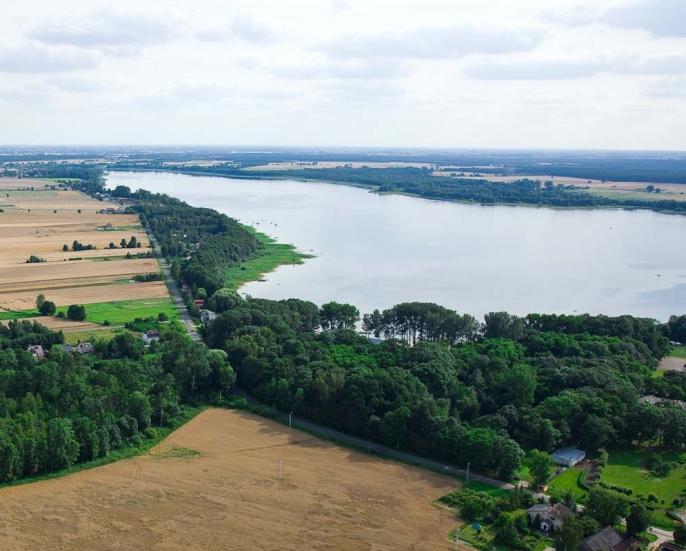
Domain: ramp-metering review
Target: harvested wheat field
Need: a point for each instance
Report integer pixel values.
(228, 496)
(64, 325)
(14, 184)
(87, 294)
(51, 200)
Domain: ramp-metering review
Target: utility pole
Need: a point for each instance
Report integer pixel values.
(468, 463)
(280, 469)
(290, 419)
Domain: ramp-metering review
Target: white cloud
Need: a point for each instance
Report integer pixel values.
(31, 58)
(436, 42)
(563, 69)
(659, 17)
(120, 33)
(251, 30)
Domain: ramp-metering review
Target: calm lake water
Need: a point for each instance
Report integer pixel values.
(378, 250)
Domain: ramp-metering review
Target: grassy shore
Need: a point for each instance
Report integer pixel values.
(271, 257)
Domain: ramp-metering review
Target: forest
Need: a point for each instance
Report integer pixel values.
(451, 388)
(65, 409)
(200, 242)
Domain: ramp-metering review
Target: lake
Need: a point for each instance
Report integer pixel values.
(378, 250)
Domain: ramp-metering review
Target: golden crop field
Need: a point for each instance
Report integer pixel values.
(40, 223)
(214, 485)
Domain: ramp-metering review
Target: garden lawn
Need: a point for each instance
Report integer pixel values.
(627, 468)
(568, 481)
(128, 310)
(678, 351)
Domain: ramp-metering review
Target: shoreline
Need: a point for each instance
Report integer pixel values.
(403, 193)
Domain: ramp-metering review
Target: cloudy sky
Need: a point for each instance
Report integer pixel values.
(605, 74)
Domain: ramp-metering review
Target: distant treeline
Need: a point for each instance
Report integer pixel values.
(422, 183)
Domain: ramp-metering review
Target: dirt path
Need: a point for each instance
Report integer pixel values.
(229, 497)
(673, 363)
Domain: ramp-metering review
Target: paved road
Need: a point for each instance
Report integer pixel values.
(374, 448)
(174, 291)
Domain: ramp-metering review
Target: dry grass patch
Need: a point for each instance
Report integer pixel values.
(228, 496)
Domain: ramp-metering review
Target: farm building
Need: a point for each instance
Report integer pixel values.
(151, 336)
(568, 457)
(606, 540)
(551, 517)
(36, 350)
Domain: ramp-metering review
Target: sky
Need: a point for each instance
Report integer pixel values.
(569, 74)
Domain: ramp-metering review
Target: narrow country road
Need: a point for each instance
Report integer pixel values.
(381, 450)
(174, 290)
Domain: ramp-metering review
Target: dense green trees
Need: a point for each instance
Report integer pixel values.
(57, 411)
(203, 242)
(477, 394)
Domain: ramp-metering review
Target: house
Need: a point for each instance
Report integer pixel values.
(85, 348)
(207, 316)
(151, 336)
(606, 540)
(106, 227)
(551, 517)
(36, 350)
(568, 457)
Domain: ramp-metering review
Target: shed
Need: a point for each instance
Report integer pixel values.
(568, 457)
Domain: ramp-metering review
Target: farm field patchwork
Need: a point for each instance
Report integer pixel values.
(40, 223)
(214, 485)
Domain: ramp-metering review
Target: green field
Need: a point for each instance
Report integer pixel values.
(128, 310)
(627, 468)
(568, 481)
(11, 315)
(678, 351)
(272, 256)
(96, 334)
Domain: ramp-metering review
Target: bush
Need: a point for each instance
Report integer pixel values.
(33, 259)
(76, 312)
(48, 308)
